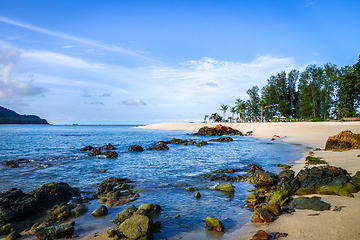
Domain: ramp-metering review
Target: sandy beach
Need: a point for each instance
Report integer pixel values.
(303, 224)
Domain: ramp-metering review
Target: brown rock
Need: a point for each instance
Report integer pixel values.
(219, 130)
(343, 141)
(261, 235)
(274, 209)
(261, 215)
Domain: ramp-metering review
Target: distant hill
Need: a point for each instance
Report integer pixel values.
(8, 116)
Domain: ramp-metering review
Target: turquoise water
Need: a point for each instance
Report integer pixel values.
(53, 157)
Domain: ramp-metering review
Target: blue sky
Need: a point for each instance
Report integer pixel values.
(141, 62)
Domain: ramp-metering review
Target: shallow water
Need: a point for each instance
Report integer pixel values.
(53, 158)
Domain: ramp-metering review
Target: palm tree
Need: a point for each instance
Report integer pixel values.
(263, 105)
(241, 106)
(213, 116)
(233, 111)
(224, 107)
(342, 110)
(206, 116)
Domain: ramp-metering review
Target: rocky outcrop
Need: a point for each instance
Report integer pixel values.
(263, 178)
(115, 191)
(15, 163)
(214, 224)
(136, 148)
(222, 139)
(55, 232)
(159, 146)
(18, 207)
(343, 141)
(108, 147)
(86, 148)
(219, 130)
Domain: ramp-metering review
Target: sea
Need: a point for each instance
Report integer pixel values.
(160, 176)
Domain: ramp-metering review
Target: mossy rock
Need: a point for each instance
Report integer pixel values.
(110, 154)
(274, 209)
(225, 187)
(150, 208)
(313, 203)
(6, 229)
(214, 224)
(200, 144)
(284, 166)
(280, 197)
(136, 148)
(261, 215)
(176, 141)
(86, 148)
(343, 141)
(126, 213)
(95, 152)
(160, 146)
(314, 161)
(108, 147)
(190, 189)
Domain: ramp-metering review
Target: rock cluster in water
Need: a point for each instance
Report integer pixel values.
(136, 223)
(19, 210)
(115, 191)
(109, 153)
(219, 130)
(343, 141)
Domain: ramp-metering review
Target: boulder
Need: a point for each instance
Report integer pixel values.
(136, 148)
(176, 141)
(214, 224)
(274, 209)
(262, 178)
(7, 228)
(261, 215)
(280, 197)
(314, 161)
(126, 213)
(81, 210)
(313, 203)
(86, 148)
(95, 152)
(197, 195)
(55, 232)
(252, 200)
(225, 187)
(160, 146)
(343, 141)
(100, 211)
(137, 226)
(222, 139)
(110, 154)
(200, 144)
(115, 191)
(219, 130)
(261, 235)
(108, 147)
(150, 208)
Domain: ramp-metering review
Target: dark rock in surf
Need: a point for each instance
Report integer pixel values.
(86, 148)
(136, 148)
(222, 139)
(219, 130)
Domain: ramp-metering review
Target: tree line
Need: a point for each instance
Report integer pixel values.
(318, 93)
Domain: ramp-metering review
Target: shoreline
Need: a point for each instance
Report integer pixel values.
(310, 135)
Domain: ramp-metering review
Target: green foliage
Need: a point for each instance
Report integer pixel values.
(318, 119)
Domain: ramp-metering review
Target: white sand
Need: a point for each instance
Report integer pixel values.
(331, 224)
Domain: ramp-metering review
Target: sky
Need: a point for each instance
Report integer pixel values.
(144, 62)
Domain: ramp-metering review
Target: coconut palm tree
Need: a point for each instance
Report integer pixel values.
(213, 117)
(205, 117)
(233, 111)
(342, 110)
(223, 108)
(241, 106)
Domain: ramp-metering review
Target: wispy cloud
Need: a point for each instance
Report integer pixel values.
(95, 103)
(88, 42)
(133, 102)
(210, 84)
(105, 95)
(11, 87)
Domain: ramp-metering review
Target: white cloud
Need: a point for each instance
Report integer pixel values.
(133, 102)
(11, 87)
